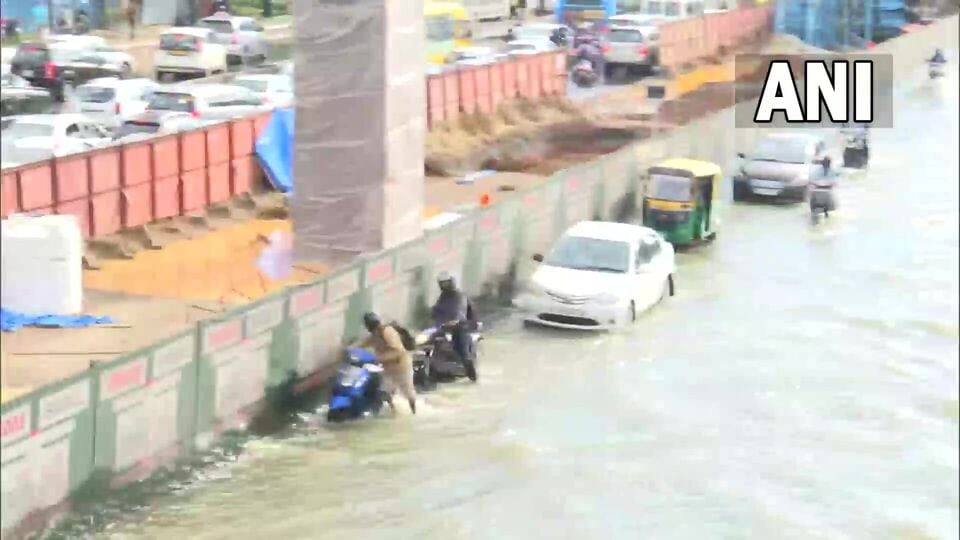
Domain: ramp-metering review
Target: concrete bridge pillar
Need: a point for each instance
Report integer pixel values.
(360, 127)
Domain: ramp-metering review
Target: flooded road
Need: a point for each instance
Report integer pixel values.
(802, 384)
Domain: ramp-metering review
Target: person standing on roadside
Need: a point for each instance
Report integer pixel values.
(133, 13)
(393, 356)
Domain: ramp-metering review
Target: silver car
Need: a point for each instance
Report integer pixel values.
(243, 36)
(781, 167)
(632, 48)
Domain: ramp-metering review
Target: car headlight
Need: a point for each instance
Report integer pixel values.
(607, 299)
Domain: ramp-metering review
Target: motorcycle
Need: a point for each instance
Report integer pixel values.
(856, 151)
(437, 361)
(357, 387)
(937, 69)
(584, 75)
(823, 200)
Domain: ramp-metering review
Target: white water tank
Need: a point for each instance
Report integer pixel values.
(42, 265)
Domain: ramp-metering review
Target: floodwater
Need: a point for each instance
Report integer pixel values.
(802, 384)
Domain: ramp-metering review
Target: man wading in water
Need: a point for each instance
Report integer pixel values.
(393, 356)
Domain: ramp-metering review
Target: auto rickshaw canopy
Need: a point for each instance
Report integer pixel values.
(690, 168)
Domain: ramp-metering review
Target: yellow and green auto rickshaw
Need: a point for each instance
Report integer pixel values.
(680, 200)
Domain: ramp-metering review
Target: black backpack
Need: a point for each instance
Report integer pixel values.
(409, 343)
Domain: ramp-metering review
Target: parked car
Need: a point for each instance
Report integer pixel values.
(19, 97)
(189, 51)
(208, 101)
(540, 32)
(113, 100)
(631, 49)
(156, 123)
(274, 90)
(781, 166)
(56, 66)
(37, 137)
(526, 47)
(476, 56)
(99, 47)
(599, 275)
(243, 36)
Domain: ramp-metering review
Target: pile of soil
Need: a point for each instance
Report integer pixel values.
(465, 145)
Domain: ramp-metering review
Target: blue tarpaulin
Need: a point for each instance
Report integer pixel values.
(11, 321)
(275, 150)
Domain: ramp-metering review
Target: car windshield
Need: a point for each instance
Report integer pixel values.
(137, 128)
(16, 130)
(625, 36)
(670, 188)
(781, 150)
(95, 94)
(178, 42)
(169, 101)
(580, 253)
(254, 85)
(218, 26)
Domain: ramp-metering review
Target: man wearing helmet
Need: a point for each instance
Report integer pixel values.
(453, 310)
(393, 356)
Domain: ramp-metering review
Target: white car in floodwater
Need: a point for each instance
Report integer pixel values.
(599, 275)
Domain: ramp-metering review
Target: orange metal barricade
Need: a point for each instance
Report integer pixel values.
(130, 185)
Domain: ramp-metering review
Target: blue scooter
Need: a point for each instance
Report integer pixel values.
(357, 388)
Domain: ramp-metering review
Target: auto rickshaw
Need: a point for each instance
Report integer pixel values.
(680, 200)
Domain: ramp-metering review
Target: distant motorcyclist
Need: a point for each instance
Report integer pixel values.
(591, 51)
(393, 356)
(938, 57)
(454, 311)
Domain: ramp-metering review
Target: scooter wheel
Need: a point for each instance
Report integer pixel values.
(471, 369)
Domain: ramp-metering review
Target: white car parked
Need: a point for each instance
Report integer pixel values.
(36, 137)
(208, 101)
(274, 90)
(114, 100)
(526, 47)
(189, 51)
(99, 46)
(599, 275)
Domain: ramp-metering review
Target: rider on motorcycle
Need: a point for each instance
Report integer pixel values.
(453, 310)
(591, 51)
(938, 57)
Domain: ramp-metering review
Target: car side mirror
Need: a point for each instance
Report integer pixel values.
(538, 257)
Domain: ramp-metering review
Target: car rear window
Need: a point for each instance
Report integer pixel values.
(137, 128)
(169, 101)
(179, 42)
(220, 27)
(95, 94)
(625, 36)
(31, 54)
(254, 85)
(17, 130)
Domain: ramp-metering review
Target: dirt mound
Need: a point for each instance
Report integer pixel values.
(788, 44)
(466, 144)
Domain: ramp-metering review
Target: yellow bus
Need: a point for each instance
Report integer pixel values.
(446, 26)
